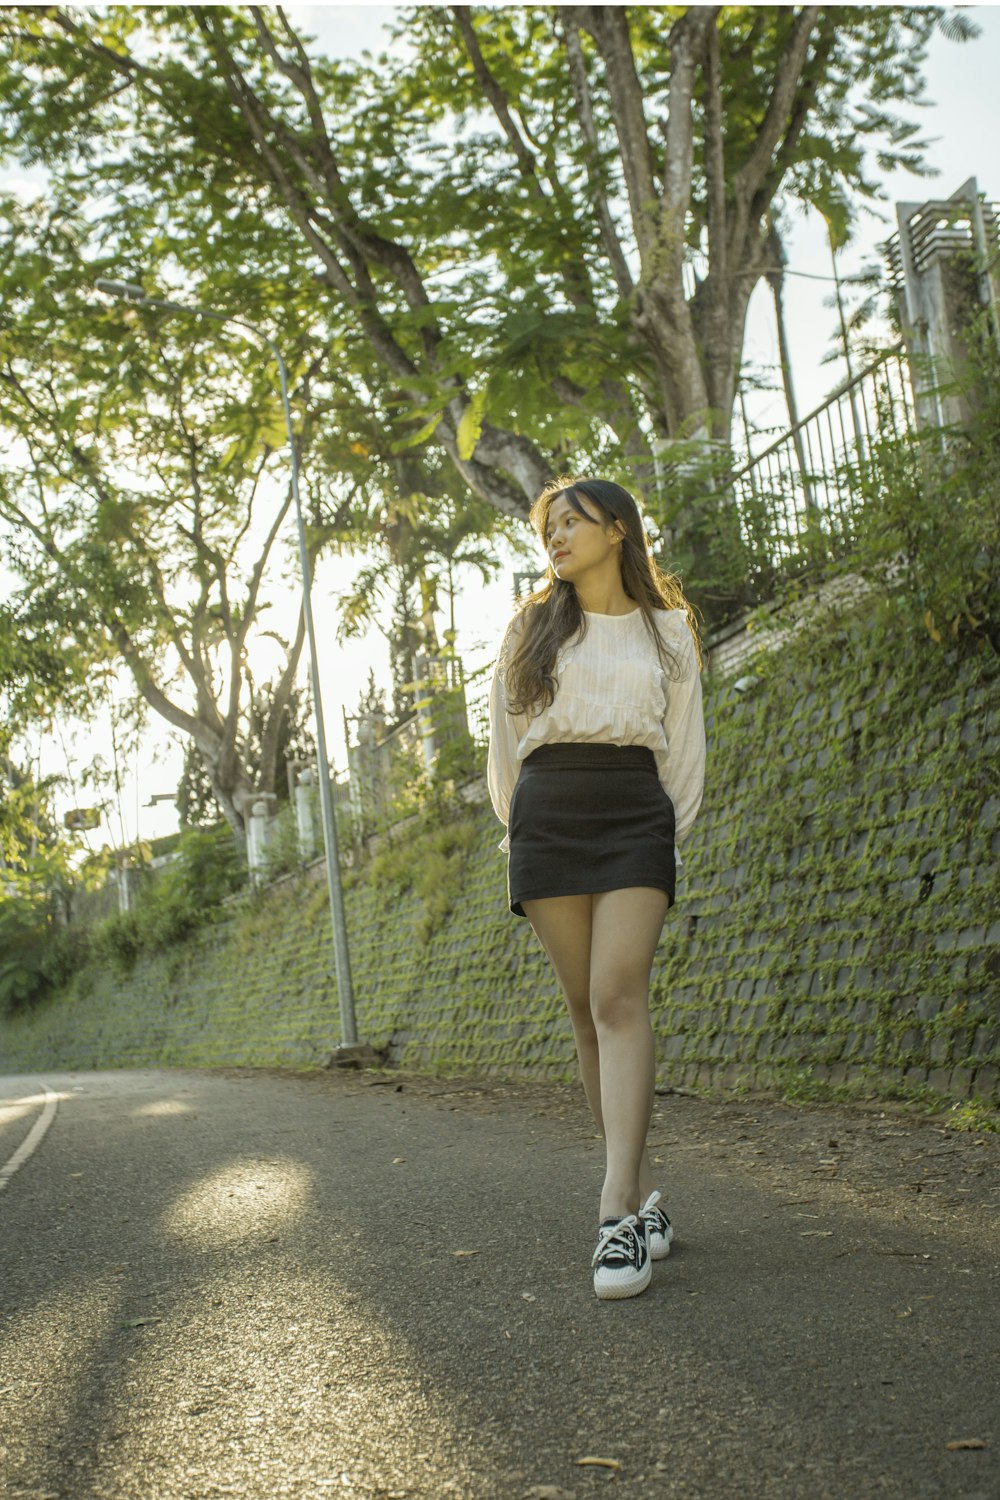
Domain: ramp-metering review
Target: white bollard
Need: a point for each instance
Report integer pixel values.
(258, 831)
(305, 821)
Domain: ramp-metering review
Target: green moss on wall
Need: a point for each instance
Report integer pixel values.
(836, 925)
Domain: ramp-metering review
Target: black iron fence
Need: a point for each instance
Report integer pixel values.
(800, 502)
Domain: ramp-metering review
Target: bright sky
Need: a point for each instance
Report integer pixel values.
(965, 124)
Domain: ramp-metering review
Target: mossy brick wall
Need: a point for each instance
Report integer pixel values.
(838, 917)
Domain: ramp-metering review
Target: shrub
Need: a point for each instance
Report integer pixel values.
(931, 521)
(186, 895)
(25, 928)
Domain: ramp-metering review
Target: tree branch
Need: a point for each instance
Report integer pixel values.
(608, 24)
(268, 769)
(584, 108)
(495, 95)
(717, 289)
(747, 180)
(804, 102)
(687, 41)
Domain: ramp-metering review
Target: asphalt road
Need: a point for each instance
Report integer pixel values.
(261, 1285)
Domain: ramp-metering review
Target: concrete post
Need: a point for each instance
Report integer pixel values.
(258, 835)
(305, 821)
(939, 243)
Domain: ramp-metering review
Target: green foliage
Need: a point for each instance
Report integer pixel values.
(455, 251)
(930, 524)
(38, 954)
(459, 760)
(185, 895)
(139, 450)
(24, 934)
(36, 878)
(975, 1115)
(429, 860)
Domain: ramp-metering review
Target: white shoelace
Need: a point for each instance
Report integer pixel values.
(626, 1236)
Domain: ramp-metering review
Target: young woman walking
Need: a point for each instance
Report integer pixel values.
(596, 765)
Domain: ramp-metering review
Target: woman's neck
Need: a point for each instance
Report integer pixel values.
(604, 596)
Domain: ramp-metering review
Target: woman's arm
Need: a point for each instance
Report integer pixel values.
(684, 726)
(501, 761)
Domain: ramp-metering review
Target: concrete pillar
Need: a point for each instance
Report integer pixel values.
(305, 813)
(258, 835)
(939, 261)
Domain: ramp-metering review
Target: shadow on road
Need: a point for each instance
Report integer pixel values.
(259, 1286)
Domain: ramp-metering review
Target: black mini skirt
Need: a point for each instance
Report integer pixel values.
(585, 819)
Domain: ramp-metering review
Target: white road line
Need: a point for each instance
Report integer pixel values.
(32, 1140)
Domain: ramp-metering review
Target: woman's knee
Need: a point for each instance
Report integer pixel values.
(617, 1006)
(578, 1005)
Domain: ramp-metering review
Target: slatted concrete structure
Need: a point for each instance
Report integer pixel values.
(944, 267)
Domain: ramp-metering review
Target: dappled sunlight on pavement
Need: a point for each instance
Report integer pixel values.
(263, 1381)
(163, 1107)
(302, 1287)
(243, 1201)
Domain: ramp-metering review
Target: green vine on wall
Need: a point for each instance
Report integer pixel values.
(429, 862)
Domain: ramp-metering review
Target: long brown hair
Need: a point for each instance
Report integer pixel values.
(552, 615)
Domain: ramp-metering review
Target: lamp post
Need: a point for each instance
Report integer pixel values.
(129, 291)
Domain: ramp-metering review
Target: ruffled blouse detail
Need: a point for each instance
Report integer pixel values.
(611, 689)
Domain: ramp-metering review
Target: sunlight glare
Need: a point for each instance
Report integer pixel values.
(287, 1382)
(163, 1107)
(15, 1109)
(245, 1201)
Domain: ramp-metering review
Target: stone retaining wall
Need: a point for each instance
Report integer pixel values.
(838, 920)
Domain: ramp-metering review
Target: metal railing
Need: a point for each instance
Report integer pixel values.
(800, 501)
(477, 704)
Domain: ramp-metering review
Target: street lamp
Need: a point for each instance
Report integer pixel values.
(129, 291)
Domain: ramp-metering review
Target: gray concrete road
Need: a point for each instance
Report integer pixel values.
(258, 1285)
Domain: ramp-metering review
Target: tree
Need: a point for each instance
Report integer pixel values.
(144, 494)
(419, 544)
(573, 278)
(196, 802)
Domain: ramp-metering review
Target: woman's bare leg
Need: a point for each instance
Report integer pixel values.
(625, 929)
(564, 927)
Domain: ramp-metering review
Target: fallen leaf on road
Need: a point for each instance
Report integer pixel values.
(816, 1234)
(598, 1463)
(965, 1443)
(528, 1296)
(906, 1313)
(464, 1254)
(398, 1161)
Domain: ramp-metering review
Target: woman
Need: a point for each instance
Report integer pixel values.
(596, 764)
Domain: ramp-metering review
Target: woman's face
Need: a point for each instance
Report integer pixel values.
(576, 545)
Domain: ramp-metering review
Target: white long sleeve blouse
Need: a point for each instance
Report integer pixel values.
(612, 690)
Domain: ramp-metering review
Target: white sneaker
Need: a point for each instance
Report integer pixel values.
(622, 1266)
(659, 1227)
